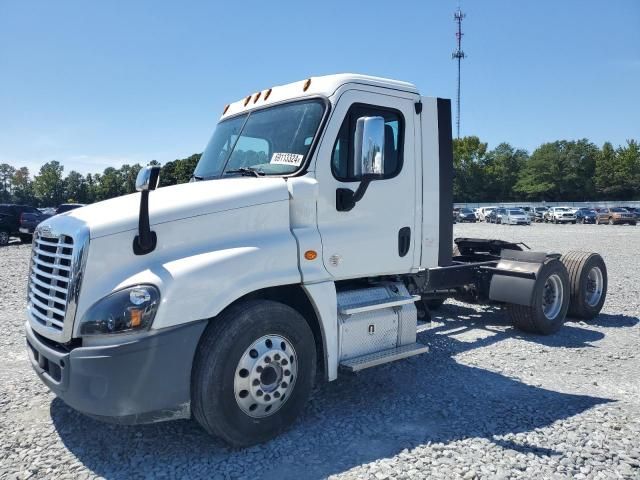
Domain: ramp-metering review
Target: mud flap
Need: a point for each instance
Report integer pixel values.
(514, 278)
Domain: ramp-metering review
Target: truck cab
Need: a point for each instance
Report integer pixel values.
(314, 234)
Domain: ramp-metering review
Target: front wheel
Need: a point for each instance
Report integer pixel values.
(550, 301)
(4, 238)
(253, 372)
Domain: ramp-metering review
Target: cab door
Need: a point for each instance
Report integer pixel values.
(378, 235)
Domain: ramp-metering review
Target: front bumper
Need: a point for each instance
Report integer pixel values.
(135, 381)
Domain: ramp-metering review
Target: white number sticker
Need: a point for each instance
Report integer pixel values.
(287, 159)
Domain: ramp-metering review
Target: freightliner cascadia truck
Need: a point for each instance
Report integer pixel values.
(312, 241)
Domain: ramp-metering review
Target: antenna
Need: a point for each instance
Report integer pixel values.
(458, 54)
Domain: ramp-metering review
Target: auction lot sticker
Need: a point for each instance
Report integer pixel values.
(293, 159)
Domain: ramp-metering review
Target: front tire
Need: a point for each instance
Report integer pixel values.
(550, 301)
(4, 238)
(253, 372)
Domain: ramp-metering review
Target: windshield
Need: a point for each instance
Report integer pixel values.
(562, 209)
(466, 210)
(619, 210)
(516, 212)
(270, 141)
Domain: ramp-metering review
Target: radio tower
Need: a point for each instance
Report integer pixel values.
(458, 55)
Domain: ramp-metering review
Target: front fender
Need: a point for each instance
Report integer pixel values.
(203, 285)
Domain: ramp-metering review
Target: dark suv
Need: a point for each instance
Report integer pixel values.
(12, 214)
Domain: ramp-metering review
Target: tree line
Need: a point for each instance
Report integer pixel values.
(556, 171)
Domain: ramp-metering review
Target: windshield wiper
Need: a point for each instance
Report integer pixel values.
(247, 172)
(197, 178)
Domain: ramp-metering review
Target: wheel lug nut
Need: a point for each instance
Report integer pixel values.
(276, 395)
(259, 393)
(267, 397)
(259, 369)
(256, 382)
(267, 359)
(276, 357)
(284, 361)
(284, 384)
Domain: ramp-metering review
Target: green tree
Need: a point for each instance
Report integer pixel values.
(468, 163)
(6, 175)
(23, 187)
(604, 171)
(75, 187)
(503, 166)
(561, 170)
(110, 185)
(49, 185)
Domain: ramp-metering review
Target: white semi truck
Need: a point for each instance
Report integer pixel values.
(314, 238)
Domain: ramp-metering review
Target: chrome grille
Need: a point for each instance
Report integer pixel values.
(50, 278)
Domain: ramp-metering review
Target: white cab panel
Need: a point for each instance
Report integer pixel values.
(364, 241)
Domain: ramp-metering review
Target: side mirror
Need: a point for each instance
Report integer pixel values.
(147, 178)
(368, 160)
(369, 147)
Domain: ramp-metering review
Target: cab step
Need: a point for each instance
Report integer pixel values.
(385, 356)
(378, 305)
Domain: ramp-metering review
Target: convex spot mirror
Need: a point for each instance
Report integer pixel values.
(147, 178)
(369, 147)
(368, 160)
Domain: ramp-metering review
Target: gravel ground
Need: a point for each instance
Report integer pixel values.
(487, 402)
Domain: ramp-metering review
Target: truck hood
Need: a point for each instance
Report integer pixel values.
(177, 202)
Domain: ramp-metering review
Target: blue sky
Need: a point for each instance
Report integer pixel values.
(98, 84)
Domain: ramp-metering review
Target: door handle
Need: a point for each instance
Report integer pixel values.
(404, 241)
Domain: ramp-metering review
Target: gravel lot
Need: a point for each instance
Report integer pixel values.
(487, 402)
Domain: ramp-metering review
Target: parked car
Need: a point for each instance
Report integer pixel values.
(29, 221)
(476, 212)
(14, 213)
(559, 215)
(65, 207)
(516, 216)
(586, 215)
(615, 216)
(497, 215)
(466, 215)
(538, 213)
(484, 212)
(49, 211)
(5, 229)
(635, 211)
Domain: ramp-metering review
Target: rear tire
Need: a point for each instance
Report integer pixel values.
(550, 301)
(434, 303)
(230, 387)
(587, 283)
(4, 238)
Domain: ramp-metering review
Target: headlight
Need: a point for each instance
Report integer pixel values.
(127, 310)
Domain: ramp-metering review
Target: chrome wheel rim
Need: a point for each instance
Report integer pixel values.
(4, 238)
(552, 296)
(594, 287)
(265, 376)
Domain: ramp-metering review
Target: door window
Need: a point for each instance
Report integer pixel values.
(342, 157)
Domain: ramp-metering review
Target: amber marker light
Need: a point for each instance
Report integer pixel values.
(266, 95)
(310, 254)
(136, 317)
(246, 100)
(226, 107)
(256, 97)
(307, 84)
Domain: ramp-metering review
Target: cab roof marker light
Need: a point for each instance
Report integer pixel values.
(307, 84)
(256, 97)
(246, 100)
(226, 108)
(266, 95)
